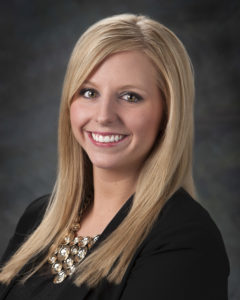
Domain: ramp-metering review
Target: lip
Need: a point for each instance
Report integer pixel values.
(106, 145)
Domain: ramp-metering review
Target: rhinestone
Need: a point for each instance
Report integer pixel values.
(80, 255)
(80, 241)
(70, 270)
(63, 253)
(75, 227)
(68, 238)
(60, 277)
(90, 243)
(75, 241)
(74, 250)
(85, 241)
(52, 259)
(56, 268)
(68, 263)
(95, 238)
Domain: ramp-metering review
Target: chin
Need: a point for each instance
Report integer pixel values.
(106, 165)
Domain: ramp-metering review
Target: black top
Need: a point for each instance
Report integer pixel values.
(183, 258)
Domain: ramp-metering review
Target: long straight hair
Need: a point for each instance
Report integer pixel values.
(168, 166)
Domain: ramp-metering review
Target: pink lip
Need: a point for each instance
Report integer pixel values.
(106, 145)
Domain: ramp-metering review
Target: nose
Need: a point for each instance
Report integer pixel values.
(106, 112)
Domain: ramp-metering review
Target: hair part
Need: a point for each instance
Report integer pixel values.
(168, 167)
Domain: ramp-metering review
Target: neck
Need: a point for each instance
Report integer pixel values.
(112, 189)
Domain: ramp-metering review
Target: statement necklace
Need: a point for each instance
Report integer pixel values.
(65, 257)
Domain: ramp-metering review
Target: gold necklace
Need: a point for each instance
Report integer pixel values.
(71, 252)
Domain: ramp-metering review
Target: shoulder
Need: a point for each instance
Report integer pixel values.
(181, 208)
(30, 219)
(185, 225)
(32, 215)
(183, 256)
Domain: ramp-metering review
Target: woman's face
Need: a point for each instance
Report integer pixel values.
(116, 114)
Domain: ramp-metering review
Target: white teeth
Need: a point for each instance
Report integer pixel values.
(106, 138)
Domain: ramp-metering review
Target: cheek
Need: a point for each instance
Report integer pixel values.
(77, 118)
(146, 124)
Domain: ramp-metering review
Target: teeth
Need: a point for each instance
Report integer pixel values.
(107, 138)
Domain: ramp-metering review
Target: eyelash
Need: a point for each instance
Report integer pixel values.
(83, 91)
(137, 97)
(131, 94)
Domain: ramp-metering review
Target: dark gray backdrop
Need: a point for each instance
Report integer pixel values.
(36, 40)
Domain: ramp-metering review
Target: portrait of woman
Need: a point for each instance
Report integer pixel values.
(122, 221)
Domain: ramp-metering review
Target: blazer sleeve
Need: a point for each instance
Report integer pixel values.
(30, 219)
(183, 258)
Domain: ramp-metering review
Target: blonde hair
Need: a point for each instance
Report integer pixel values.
(168, 167)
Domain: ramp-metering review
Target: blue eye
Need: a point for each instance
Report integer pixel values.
(131, 97)
(88, 93)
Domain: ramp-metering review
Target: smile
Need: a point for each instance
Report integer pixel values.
(113, 138)
(106, 139)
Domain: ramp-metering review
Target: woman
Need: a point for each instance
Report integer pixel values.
(121, 222)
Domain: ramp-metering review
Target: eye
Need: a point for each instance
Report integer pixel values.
(131, 97)
(88, 93)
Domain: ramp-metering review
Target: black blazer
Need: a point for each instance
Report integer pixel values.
(182, 258)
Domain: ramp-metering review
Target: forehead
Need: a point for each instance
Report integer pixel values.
(128, 67)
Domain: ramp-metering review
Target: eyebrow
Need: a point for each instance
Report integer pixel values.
(128, 86)
(89, 82)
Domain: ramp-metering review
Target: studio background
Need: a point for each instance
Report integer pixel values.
(37, 38)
